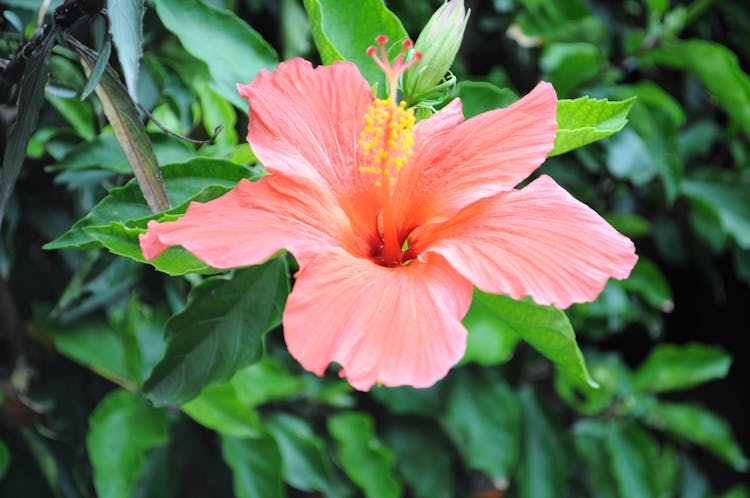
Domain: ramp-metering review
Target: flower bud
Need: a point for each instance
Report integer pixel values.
(438, 43)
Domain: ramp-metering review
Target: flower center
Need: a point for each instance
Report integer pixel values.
(386, 144)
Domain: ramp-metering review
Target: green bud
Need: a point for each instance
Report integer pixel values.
(438, 43)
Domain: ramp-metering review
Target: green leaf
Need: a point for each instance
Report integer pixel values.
(121, 429)
(588, 440)
(585, 120)
(670, 367)
(483, 418)
(608, 371)
(482, 96)
(739, 491)
(422, 450)
(30, 98)
(567, 65)
(341, 32)
(546, 328)
(728, 200)
(126, 27)
(491, 340)
(233, 51)
(633, 456)
(219, 408)
(220, 331)
(719, 70)
(4, 458)
(699, 426)
(305, 463)
(650, 283)
(200, 179)
(256, 466)
(102, 61)
(265, 381)
(405, 400)
(365, 460)
(128, 128)
(544, 464)
(79, 114)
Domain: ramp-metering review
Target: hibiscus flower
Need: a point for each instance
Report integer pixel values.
(394, 222)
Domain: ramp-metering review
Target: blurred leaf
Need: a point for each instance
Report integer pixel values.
(544, 463)
(51, 465)
(233, 51)
(630, 158)
(200, 179)
(220, 331)
(481, 96)
(30, 99)
(256, 466)
(567, 65)
(546, 328)
(608, 371)
(699, 426)
(219, 408)
(129, 130)
(122, 428)
(265, 381)
(738, 491)
(649, 282)
(126, 27)
(405, 400)
(365, 460)
(217, 112)
(102, 61)
(304, 461)
(630, 224)
(588, 439)
(4, 457)
(295, 30)
(341, 32)
(719, 70)
(483, 419)
(670, 367)
(728, 199)
(585, 120)
(79, 114)
(423, 458)
(632, 453)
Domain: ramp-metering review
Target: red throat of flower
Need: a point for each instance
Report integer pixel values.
(386, 143)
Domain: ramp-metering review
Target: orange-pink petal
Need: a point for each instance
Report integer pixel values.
(253, 221)
(393, 326)
(538, 241)
(490, 153)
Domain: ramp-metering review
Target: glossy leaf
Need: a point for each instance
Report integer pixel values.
(305, 463)
(30, 98)
(586, 120)
(700, 426)
(220, 331)
(341, 32)
(126, 27)
(232, 50)
(256, 466)
(122, 429)
(219, 408)
(544, 462)
(671, 367)
(129, 130)
(365, 460)
(483, 419)
(545, 328)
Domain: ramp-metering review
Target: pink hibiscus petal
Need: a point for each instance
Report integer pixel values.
(306, 121)
(253, 221)
(393, 326)
(538, 241)
(488, 154)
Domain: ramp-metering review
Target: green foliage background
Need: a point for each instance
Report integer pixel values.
(121, 378)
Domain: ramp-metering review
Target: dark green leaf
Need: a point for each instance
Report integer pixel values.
(728, 200)
(483, 418)
(567, 65)
(544, 464)
(305, 463)
(365, 460)
(30, 100)
(546, 328)
(588, 439)
(670, 367)
(219, 408)
(633, 456)
(405, 400)
(491, 340)
(265, 381)
(121, 429)
(649, 282)
(481, 96)
(220, 331)
(126, 27)
(4, 457)
(585, 120)
(256, 466)
(129, 130)
(102, 61)
(233, 51)
(343, 33)
(698, 426)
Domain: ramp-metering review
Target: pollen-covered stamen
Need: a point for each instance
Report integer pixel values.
(393, 69)
(386, 145)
